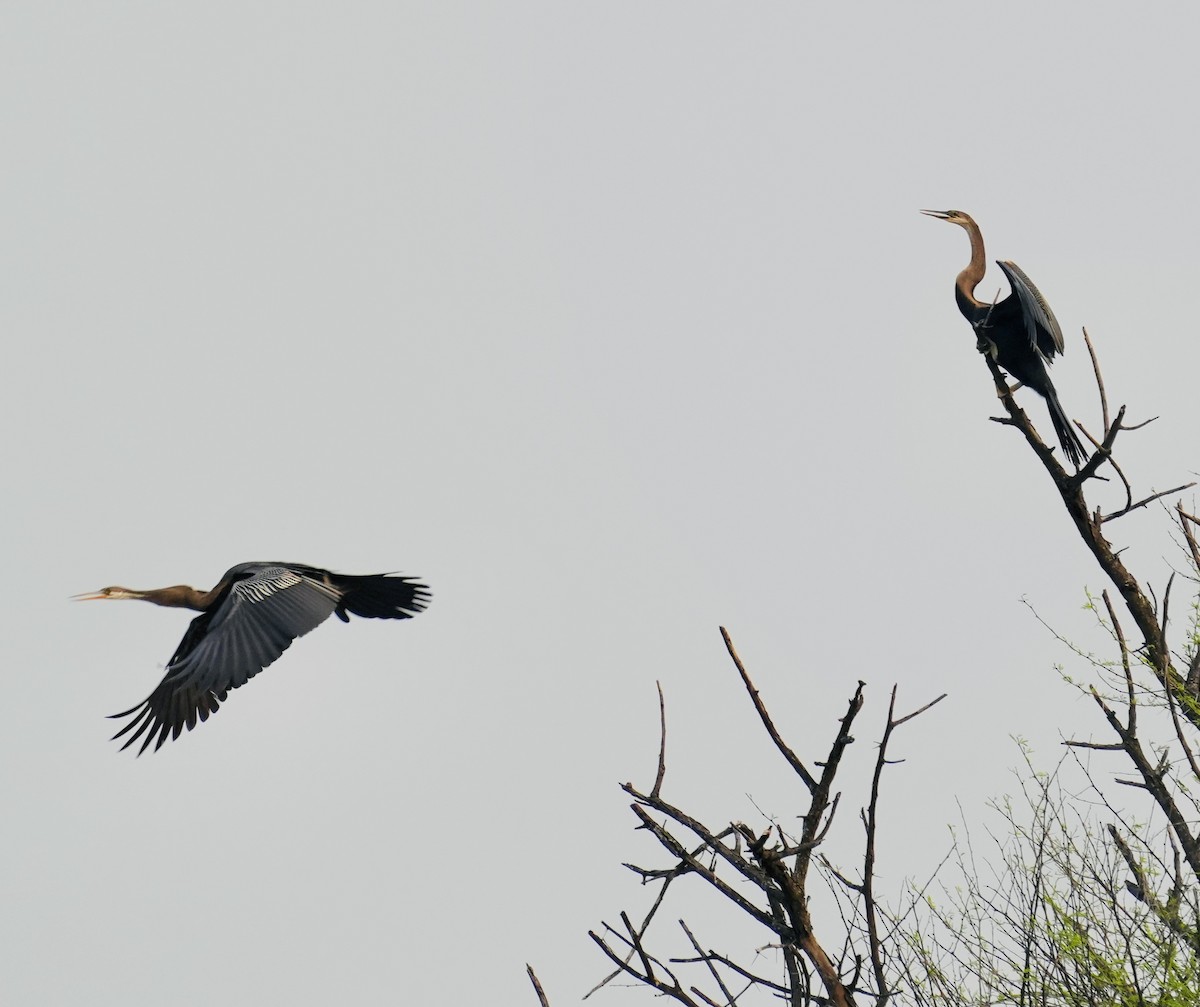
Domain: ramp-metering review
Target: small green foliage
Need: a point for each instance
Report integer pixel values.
(1062, 918)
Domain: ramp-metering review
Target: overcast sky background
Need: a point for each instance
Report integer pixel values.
(615, 322)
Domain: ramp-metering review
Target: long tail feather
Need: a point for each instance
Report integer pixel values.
(1072, 446)
(379, 596)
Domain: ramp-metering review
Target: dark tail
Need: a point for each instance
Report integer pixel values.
(1072, 446)
(380, 596)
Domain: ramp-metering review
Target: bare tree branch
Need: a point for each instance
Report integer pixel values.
(662, 744)
(707, 959)
(777, 869)
(1099, 377)
(784, 750)
(1089, 525)
(537, 986)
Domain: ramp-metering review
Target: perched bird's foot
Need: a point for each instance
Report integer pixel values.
(985, 345)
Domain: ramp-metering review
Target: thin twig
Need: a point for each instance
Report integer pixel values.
(1189, 536)
(662, 744)
(1173, 706)
(1138, 426)
(1146, 500)
(1119, 632)
(635, 940)
(916, 713)
(792, 759)
(675, 991)
(662, 891)
(729, 997)
(733, 966)
(537, 986)
(871, 820)
(1099, 377)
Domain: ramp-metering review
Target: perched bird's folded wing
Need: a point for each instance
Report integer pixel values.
(1040, 323)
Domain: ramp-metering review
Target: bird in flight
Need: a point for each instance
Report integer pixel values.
(246, 621)
(1020, 332)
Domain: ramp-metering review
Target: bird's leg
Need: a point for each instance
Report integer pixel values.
(982, 343)
(986, 345)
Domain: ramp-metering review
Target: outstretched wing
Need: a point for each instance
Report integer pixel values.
(1040, 323)
(264, 608)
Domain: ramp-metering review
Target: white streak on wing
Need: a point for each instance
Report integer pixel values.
(269, 583)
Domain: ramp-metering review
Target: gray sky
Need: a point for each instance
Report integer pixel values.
(615, 322)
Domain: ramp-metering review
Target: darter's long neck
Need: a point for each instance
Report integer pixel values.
(970, 277)
(180, 596)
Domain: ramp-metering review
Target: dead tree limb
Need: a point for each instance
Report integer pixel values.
(1089, 523)
(765, 874)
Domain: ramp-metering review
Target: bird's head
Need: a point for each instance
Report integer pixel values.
(952, 216)
(107, 594)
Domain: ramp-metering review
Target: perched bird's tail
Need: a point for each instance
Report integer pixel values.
(380, 596)
(1072, 446)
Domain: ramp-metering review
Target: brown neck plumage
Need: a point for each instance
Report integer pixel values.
(179, 596)
(970, 277)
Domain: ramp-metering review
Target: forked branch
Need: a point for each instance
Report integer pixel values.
(1090, 523)
(764, 874)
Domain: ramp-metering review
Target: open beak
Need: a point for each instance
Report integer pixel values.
(940, 214)
(90, 596)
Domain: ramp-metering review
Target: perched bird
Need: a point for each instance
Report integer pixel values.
(249, 619)
(1020, 332)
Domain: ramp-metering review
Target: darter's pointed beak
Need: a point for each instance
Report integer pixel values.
(939, 214)
(90, 596)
